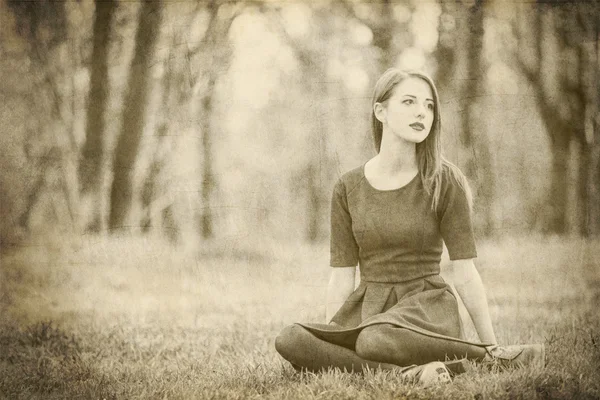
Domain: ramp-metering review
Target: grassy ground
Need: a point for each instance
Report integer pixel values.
(136, 319)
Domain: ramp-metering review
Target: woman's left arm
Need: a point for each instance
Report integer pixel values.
(468, 284)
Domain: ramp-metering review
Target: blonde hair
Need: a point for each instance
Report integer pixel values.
(429, 151)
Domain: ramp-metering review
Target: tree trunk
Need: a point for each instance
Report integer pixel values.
(217, 53)
(557, 128)
(134, 114)
(151, 219)
(92, 154)
(559, 194)
(594, 165)
(31, 199)
(474, 68)
(149, 187)
(564, 23)
(589, 88)
(445, 53)
(593, 221)
(318, 164)
(589, 188)
(207, 187)
(478, 165)
(313, 203)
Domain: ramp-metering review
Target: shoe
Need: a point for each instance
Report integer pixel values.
(523, 355)
(426, 375)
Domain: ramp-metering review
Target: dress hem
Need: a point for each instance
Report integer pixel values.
(323, 329)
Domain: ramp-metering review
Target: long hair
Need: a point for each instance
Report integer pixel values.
(429, 152)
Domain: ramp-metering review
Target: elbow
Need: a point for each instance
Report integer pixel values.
(463, 272)
(342, 279)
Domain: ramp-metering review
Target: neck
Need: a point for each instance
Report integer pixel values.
(397, 155)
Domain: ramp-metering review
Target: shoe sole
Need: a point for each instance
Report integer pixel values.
(434, 373)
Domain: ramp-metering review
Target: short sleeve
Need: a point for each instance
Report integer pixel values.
(343, 246)
(456, 226)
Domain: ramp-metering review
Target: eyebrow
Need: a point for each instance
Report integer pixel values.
(414, 97)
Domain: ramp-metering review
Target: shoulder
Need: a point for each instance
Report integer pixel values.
(454, 184)
(452, 178)
(350, 180)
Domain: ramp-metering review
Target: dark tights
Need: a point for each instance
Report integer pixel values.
(382, 346)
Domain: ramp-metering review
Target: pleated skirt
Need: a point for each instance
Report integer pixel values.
(425, 305)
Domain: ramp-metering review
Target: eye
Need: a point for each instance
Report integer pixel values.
(430, 106)
(408, 101)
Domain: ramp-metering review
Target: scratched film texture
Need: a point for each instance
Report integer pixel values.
(166, 171)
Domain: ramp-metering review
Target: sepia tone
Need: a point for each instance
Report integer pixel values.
(167, 168)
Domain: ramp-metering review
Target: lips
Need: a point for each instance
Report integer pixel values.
(418, 126)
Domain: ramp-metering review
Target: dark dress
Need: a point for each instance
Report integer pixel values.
(397, 240)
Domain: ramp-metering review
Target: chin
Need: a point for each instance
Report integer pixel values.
(416, 139)
(412, 137)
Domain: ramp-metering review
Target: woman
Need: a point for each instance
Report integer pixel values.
(392, 216)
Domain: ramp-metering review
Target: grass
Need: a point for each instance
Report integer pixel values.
(132, 318)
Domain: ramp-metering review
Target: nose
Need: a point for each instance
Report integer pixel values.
(420, 112)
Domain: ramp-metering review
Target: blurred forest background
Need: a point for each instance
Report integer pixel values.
(227, 120)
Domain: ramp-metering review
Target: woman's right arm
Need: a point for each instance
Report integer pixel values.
(341, 286)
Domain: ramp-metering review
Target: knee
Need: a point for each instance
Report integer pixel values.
(371, 344)
(383, 343)
(287, 342)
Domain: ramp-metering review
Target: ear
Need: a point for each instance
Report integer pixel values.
(380, 112)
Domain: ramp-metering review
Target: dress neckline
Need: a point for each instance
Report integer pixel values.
(364, 176)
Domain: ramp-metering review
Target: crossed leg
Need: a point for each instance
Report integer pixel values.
(400, 346)
(304, 350)
(382, 346)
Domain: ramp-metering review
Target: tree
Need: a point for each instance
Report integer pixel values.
(44, 81)
(92, 153)
(586, 38)
(312, 54)
(136, 100)
(473, 137)
(593, 181)
(566, 93)
(459, 54)
(214, 52)
(158, 192)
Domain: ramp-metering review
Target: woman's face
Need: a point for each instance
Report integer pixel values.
(409, 112)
